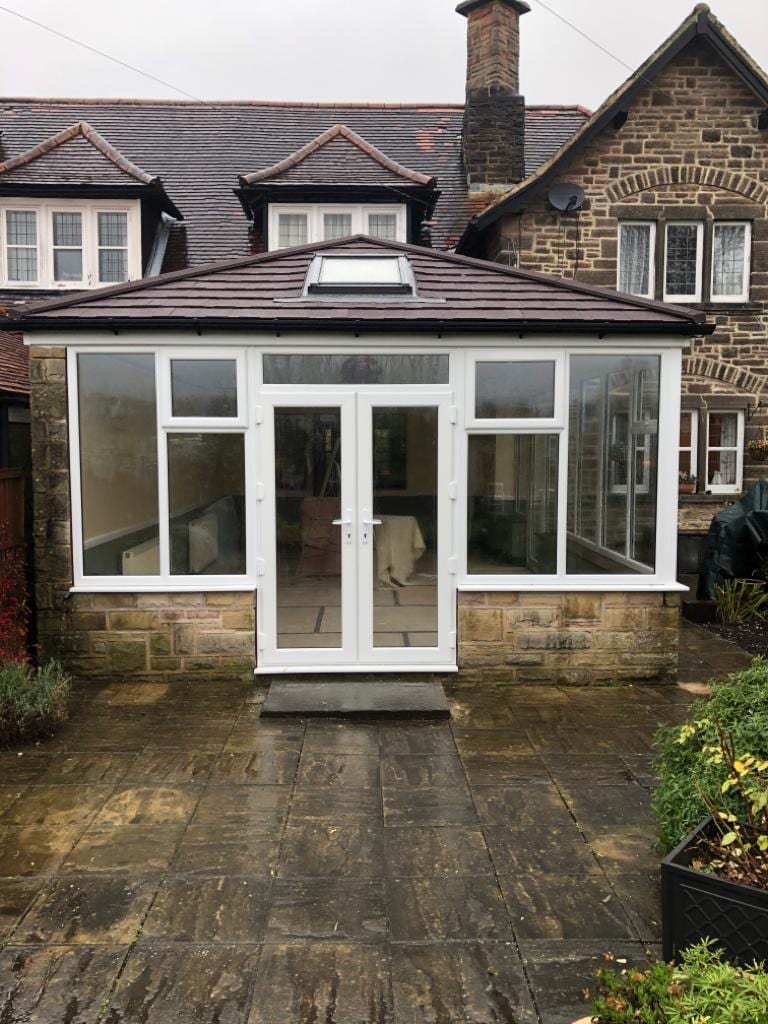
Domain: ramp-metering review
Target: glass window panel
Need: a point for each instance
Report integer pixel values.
(357, 270)
(204, 387)
(355, 369)
(383, 225)
(67, 264)
(722, 469)
(113, 229)
(685, 461)
(22, 264)
(612, 464)
(635, 259)
(682, 270)
(113, 265)
(723, 429)
(686, 429)
(336, 225)
(729, 259)
(21, 227)
(514, 390)
(405, 450)
(67, 229)
(512, 504)
(206, 502)
(308, 498)
(118, 464)
(292, 229)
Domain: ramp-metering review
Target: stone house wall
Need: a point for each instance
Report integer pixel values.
(690, 148)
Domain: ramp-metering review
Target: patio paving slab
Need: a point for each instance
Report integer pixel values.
(173, 858)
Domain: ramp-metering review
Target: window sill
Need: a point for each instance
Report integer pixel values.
(162, 588)
(609, 586)
(702, 499)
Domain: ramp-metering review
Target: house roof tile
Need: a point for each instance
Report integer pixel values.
(14, 364)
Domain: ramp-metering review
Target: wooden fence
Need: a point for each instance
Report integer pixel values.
(11, 509)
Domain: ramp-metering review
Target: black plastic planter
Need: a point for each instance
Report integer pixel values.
(696, 905)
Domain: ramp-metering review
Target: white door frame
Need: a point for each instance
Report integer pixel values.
(357, 653)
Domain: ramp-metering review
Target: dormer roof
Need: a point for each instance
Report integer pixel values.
(339, 156)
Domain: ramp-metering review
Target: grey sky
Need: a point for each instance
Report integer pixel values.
(365, 50)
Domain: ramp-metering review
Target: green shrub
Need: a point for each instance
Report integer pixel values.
(32, 701)
(739, 600)
(739, 706)
(705, 989)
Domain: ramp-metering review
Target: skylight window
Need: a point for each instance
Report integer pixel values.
(360, 275)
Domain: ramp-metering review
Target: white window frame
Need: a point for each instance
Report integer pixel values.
(89, 210)
(743, 295)
(693, 448)
(694, 296)
(527, 424)
(738, 448)
(4, 246)
(651, 257)
(315, 213)
(166, 424)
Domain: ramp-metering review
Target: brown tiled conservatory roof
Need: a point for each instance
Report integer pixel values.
(14, 364)
(266, 292)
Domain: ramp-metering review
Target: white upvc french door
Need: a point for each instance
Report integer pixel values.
(357, 531)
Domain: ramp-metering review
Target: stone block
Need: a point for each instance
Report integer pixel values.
(555, 641)
(582, 607)
(226, 643)
(133, 620)
(481, 624)
(609, 641)
(503, 599)
(87, 621)
(183, 636)
(243, 619)
(127, 656)
(230, 599)
(514, 618)
(159, 644)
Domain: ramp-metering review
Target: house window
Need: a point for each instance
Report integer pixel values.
(290, 224)
(730, 261)
(689, 451)
(724, 452)
(682, 262)
(361, 274)
(68, 244)
(637, 241)
(205, 388)
(21, 246)
(514, 390)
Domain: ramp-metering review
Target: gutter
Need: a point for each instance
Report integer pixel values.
(160, 244)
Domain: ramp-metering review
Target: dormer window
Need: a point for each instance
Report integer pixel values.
(64, 243)
(292, 224)
(360, 275)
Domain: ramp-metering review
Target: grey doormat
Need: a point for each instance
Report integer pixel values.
(356, 700)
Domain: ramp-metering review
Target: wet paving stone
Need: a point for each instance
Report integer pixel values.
(428, 807)
(341, 738)
(182, 984)
(276, 768)
(305, 983)
(538, 805)
(328, 910)
(332, 850)
(87, 911)
(422, 771)
(641, 767)
(474, 742)
(426, 909)
(254, 737)
(8, 796)
(559, 972)
(57, 806)
(68, 768)
(588, 769)
(543, 906)
(228, 849)
(430, 851)
(311, 803)
(171, 767)
(136, 849)
(18, 767)
(622, 852)
(343, 771)
(512, 770)
(601, 809)
(31, 850)
(640, 895)
(56, 984)
(558, 850)
(148, 805)
(208, 910)
(494, 715)
(16, 894)
(252, 806)
(416, 739)
(460, 983)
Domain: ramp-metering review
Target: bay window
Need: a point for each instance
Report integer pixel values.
(66, 243)
(300, 224)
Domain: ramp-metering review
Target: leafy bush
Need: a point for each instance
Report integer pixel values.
(738, 600)
(738, 707)
(705, 989)
(32, 701)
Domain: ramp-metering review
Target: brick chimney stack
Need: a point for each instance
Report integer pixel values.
(494, 116)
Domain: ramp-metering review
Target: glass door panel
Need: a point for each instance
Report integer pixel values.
(308, 531)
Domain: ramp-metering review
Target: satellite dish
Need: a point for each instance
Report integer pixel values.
(566, 197)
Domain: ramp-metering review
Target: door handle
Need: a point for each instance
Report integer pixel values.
(371, 522)
(341, 522)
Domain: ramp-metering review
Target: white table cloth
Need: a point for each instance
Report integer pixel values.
(399, 546)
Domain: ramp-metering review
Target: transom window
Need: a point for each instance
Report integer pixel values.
(699, 261)
(66, 244)
(291, 224)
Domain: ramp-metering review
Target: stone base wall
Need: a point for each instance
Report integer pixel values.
(156, 637)
(564, 638)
